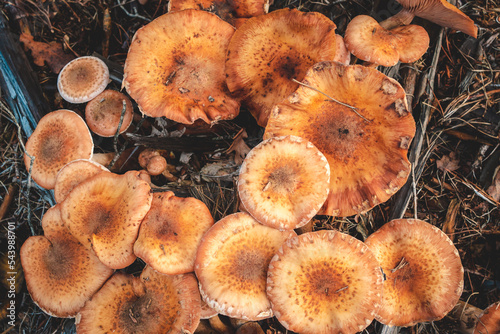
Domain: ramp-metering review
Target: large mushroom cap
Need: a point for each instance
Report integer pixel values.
(231, 266)
(324, 282)
(423, 271)
(104, 213)
(367, 153)
(270, 50)
(82, 79)
(60, 137)
(61, 274)
(171, 232)
(284, 181)
(103, 113)
(154, 303)
(175, 68)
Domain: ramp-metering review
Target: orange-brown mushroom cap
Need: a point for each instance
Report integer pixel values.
(82, 79)
(60, 273)
(423, 272)
(175, 68)
(324, 282)
(283, 182)
(489, 322)
(270, 50)
(367, 40)
(103, 113)
(171, 232)
(367, 153)
(104, 213)
(231, 266)
(152, 303)
(60, 137)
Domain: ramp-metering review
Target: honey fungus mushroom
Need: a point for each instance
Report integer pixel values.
(324, 282)
(175, 68)
(358, 118)
(423, 272)
(59, 138)
(231, 266)
(103, 113)
(60, 273)
(489, 321)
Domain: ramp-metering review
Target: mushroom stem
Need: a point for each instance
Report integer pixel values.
(404, 17)
(466, 315)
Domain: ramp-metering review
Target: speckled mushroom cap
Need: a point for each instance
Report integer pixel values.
(175, 68)
(60, 273)
(231, 266)
(72, 174)
(283, 182)
(260, 68)
(368, 41)
(324, 282)
(423, 271)
(367, 156)
(489, 322)
(150, 304)
(60, 137)
(82, 79)
(171, 232)
(104, 213)
(103, 113)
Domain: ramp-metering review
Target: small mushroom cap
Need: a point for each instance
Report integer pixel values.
(489, 322)
(61, 274)
(367, 156)
(104, 213)
(260, 68)
(153, 303)
(82, 79)
(72, 174)
(156, 165)
(284, 181)
(342, 55)
(179, 72)
(104, 111)
(324, 282)
(367, 40)
(424, 274)
(59, 138)
(231, 266)
(171, 232)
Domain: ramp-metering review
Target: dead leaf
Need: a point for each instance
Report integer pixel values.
(494, 189)
(239, 147)
(51, 53)
(448, 162)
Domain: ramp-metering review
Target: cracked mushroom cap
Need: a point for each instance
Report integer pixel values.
(103, 113)
(367, 153)
(423, 272)
(260, 69)
(72, 174)
(60, 137)
(284, 181)
(104, 213)
(82, 79)
(152, 303)
(489, 322)
(171, 232)
(368, 41)
(61, 274)
(175, 68)
(231, 266)
(324, 282)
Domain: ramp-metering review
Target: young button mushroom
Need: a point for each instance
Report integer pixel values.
(82, 79)
(283, 182)
(171, 232)
(358, 118)
(59, 138)
(61, 274)
(324, 282)
(423, 272)
(175, 68)
(270, 50)
(231, 266)
(103, 113)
